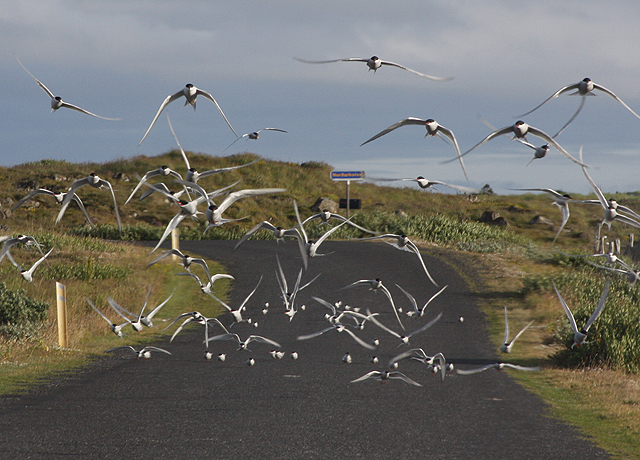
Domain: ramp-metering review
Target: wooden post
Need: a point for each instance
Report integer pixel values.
(61, 300)
(175, 242)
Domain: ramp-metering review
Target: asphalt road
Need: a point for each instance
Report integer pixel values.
(183, 407)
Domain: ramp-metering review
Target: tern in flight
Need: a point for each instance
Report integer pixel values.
(190, 93)
(520, 129)
(8, 243)
(58, 196)
(419, 312)
(403, 243)
(214, 212)
(339, 327)
(163, 171)
(498, 366)
(612, 210)
(374, 63)
(433, 129)
(57, 102)
(374, 285)
(254, 135)
(404, 339)
(561, 201)
(115, 328)
(506, 343)
(385, 376)
(579, 335)
(237, 313)
(583, 88)
(309, 248)
(426, 183)
(187, 261)
(142, 353)
(243, 345)
(325, 215)
(420, 355)
(94, 181)
(192, 174)
(279, 233)
(28, 274)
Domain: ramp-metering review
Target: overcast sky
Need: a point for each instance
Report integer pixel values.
(122, 58)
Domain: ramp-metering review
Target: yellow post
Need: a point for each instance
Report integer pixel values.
(61, 297)
(175, 242)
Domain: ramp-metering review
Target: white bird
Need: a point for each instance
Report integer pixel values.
(506, 343)
(419, 312)
(214, 212)
(187, 208)
(140, 319)
(309, 248)
(337, 315)
(498, 366)
(187, 261)
(538, 152)
(294, 355)
(192, 174)
(243, 345)
(115, 328)
(254, 135)
(190, 93)
(561, 201)
(163, 171)
(237, 313)
(384, 376)
(520, 129)
(200, 319)
(279, 233)
(57, 102)
(28, 274)
(403, 243)
(374, 63)
(612, 210)
(172, 196)
(579, 335)
(289, 296)
(208, 287)
(142, 353)
(583, 88)
(433, 129)
(420, 355)
(347, 358)
(404, 339)
(633, 276)
(374, 285)
(338, 327)
(427, 183)
(94, 181)
(8, 243)
(325, 215)
(58, 196)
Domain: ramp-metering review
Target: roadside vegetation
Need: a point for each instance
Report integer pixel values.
(594, 386)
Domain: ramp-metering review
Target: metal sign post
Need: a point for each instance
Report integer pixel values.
(347, 176)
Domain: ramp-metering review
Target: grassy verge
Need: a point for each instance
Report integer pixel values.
(602, 402)
(96, 270)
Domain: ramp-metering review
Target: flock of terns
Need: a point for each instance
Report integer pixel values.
(339, 317)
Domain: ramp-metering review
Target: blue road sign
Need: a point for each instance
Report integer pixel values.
(347, 175)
